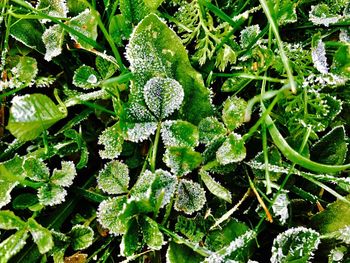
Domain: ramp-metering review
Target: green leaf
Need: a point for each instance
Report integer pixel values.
(225, 56)
(248, 35)
(295, 245)
(85, 23)
(119, 28)
(131, 241)
(151, 233)
(112, 140)
(51, 194)
(36, 169)
(214, 187)
(190, 197)
(8, 220)
(178, 253)
(181, 160)
(163, 186)
(179, 133)
(42, 236)
(232, 150)
(108, 215)
(53, 38)
(31, 114)
(12, 245)
(341, 64)
(322, 14)
(82, 237)
(233, 112)
(85, 77)
(56, 8)
(29, 33)
(79, 140)
(65, 176)
(114, 178)
(135, 10)
(105, 67)
(154, 50)
(194, 229)
(331, 148)
(24, 201)
(163, 96)
(210, 129)
(286, 12)
(25, 70)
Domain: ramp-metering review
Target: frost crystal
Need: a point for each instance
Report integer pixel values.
(163, 96)
(248, 35)
(318, 16)
(141, 131)
(280, 207)
(65, 176)
(53, 40)
(57, 8)
(319, 58)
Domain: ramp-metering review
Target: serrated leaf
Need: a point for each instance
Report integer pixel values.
(248, 34)
(131, 241)
(41, 236)
(321, 14)
(341, 64)
(286, 12)
(178, 253)
(233, 112)
(26, 70)
(331, 148)
(214, 187)
(51, 194)
(179, 133)
(112, 141)
(138, 132)
(105, 68)
(114, 178)
(8, 220)
(163, 96)
(31, 114)
(163, 186)
(295, 244)
(154, 50)
(190, 197)
(36, 169)
(12, 245)
(65, 176)
(151, 233)
(85, 23)
(108, 212)
(181, 160)
(53, 40)
(81, 236)
(194, 229)
(85, 77)
(232, 150)
(56, 8)
(210, 129)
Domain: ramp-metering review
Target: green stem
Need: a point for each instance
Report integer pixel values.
(280, 44)
(250, 76)
(155, 148)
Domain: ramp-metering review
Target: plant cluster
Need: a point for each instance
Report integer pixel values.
(174, 131)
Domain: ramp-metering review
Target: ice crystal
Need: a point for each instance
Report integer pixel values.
(139, 132)
(280, 207)
(163, 96)
(319, 58)
(53, 40)
(114, 178)
(210, 129)
(64, 177)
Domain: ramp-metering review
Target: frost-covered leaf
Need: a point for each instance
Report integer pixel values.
(181, 160)
(82, 146)
(82, 237)
(280, 207)
(151, 233)
(31, 114)
(64, 177)
(108, 212)
(248, 35)
(135, 10)
(295, 244)
(53, 39)
(164, 186)
(154, 50)
(56, 8)
(178, 253)
(139, 132)
(36, 169)
(12, 245)
(232, 150)
(85, 23)
(131, 241)
(318, 53)
(120, 28)
(114, 178)
(86, 77)
(233, 112)
(163, 96)
(8, 220)
(286, 12)
(179, 133)
(111, 138)
(331, 148)
(105, 67)
(41, 236)
(341, 61)
(190, 197)
(214, 187)
(321, 14)
(26, 70)
(51, 194)
(225, 56)
(210, 129)
(28, 32)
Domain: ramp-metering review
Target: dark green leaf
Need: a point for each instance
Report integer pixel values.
(82, 237)
(233, 112)
(179, 133)
(214, 187)
(114, 178)
(36, 169)
(151, 233)
(210, 129)
(178, 253)
(232, 150)
(190, 197)
(51, 194)
(85, 77)
(131, 241)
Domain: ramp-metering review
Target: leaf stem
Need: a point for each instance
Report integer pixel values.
(155, 148)
(250, 76)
